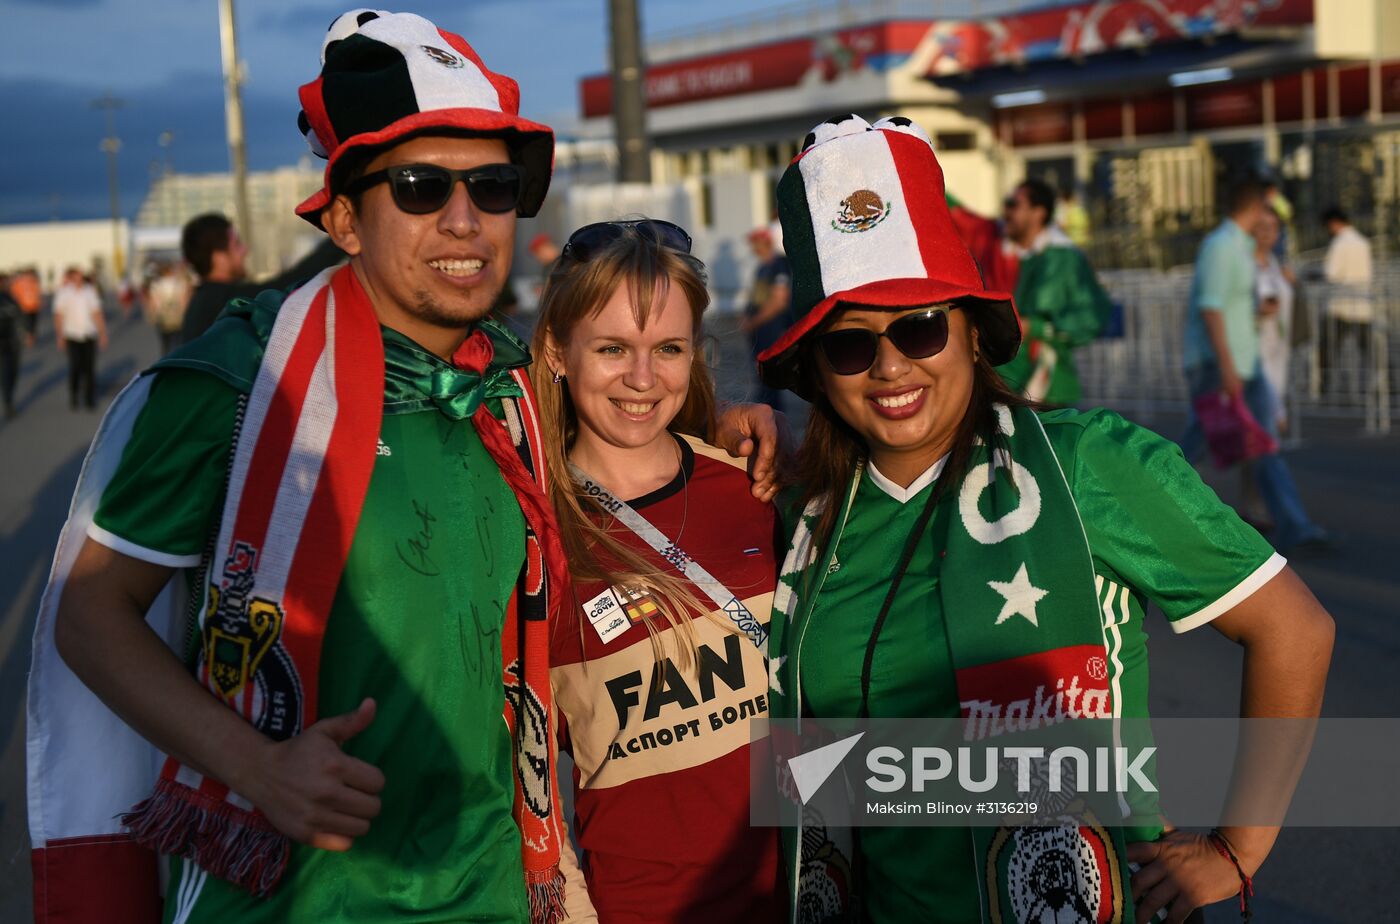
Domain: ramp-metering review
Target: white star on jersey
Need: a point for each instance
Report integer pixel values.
(773, 665)
(1021, 597)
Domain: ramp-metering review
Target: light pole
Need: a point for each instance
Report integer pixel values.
(629, 100)
(166, 141)
(110, 145)
(233, 119)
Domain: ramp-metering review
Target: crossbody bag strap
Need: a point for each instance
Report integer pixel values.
(723, 599)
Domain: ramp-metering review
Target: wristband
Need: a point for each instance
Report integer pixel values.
(1222, 847)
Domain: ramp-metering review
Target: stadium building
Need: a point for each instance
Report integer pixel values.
(1146, 107)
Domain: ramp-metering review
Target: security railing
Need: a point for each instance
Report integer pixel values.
(1337, 368)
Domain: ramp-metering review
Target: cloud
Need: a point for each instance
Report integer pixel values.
(50, 4)
(281, 44)
(300, 18)
(163, 59)
(450, 14)
(60, 168)
(320, 17)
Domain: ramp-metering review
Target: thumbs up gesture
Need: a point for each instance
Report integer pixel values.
(311, 790)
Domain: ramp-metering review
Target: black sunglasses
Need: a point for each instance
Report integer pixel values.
(419, 189)
(852, 350)
(588, 240)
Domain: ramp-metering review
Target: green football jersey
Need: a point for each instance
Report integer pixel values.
(1062, 306)
(415, 624)
(1156, 532)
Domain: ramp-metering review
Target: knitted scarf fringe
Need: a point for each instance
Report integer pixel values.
(230, 843)
(546, 893)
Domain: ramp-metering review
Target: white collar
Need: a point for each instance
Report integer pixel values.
(905, 495)
(1050, 236)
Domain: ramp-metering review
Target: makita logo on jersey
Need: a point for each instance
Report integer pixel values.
(984, 718)
(1035, 690)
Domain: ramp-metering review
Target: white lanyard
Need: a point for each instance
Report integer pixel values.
(731, 605)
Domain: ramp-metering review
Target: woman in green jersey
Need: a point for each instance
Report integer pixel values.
(958, 554)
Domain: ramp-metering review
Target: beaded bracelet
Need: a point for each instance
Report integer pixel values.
(1222, 847)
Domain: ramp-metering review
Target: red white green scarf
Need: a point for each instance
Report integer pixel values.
(301, 467)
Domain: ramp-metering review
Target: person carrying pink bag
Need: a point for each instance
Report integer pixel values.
(1221, 355)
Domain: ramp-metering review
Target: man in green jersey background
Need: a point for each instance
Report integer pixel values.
(1061, 303)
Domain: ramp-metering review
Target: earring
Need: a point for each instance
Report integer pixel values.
(558, 377)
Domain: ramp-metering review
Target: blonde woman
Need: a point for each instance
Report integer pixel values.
(663, 669)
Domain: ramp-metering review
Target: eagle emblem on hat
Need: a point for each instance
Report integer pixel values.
(860, 211)
(445, 58)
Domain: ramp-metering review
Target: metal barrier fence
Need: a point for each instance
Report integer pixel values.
(1336, 369)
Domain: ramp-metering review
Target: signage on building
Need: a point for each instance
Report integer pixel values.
(775, 66)
(1225, 106)
(1086, 29)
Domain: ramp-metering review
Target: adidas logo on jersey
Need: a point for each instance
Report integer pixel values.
(383, 449)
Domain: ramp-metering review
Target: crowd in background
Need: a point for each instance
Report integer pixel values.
(181, 297)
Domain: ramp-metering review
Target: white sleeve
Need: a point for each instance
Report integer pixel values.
(1332, 264)
(125, 546)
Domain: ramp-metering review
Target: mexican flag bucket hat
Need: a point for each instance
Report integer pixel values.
(386, 77)
(865, 222)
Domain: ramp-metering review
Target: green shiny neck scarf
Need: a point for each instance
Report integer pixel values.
(416, 379)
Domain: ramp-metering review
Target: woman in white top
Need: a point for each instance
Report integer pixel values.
(1273, 287)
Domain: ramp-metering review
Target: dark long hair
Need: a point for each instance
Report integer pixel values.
(831, 449)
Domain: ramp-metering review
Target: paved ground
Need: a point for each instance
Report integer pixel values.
(1317, 875)
(1348, 480)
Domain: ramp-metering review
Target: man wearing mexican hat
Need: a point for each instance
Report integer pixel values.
(957, 554)
(311, 562)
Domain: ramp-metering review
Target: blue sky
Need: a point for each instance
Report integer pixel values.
(162, 58)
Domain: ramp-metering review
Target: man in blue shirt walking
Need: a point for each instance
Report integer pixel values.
(1221, 354)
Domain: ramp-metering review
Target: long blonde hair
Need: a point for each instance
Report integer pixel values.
(577, 290)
